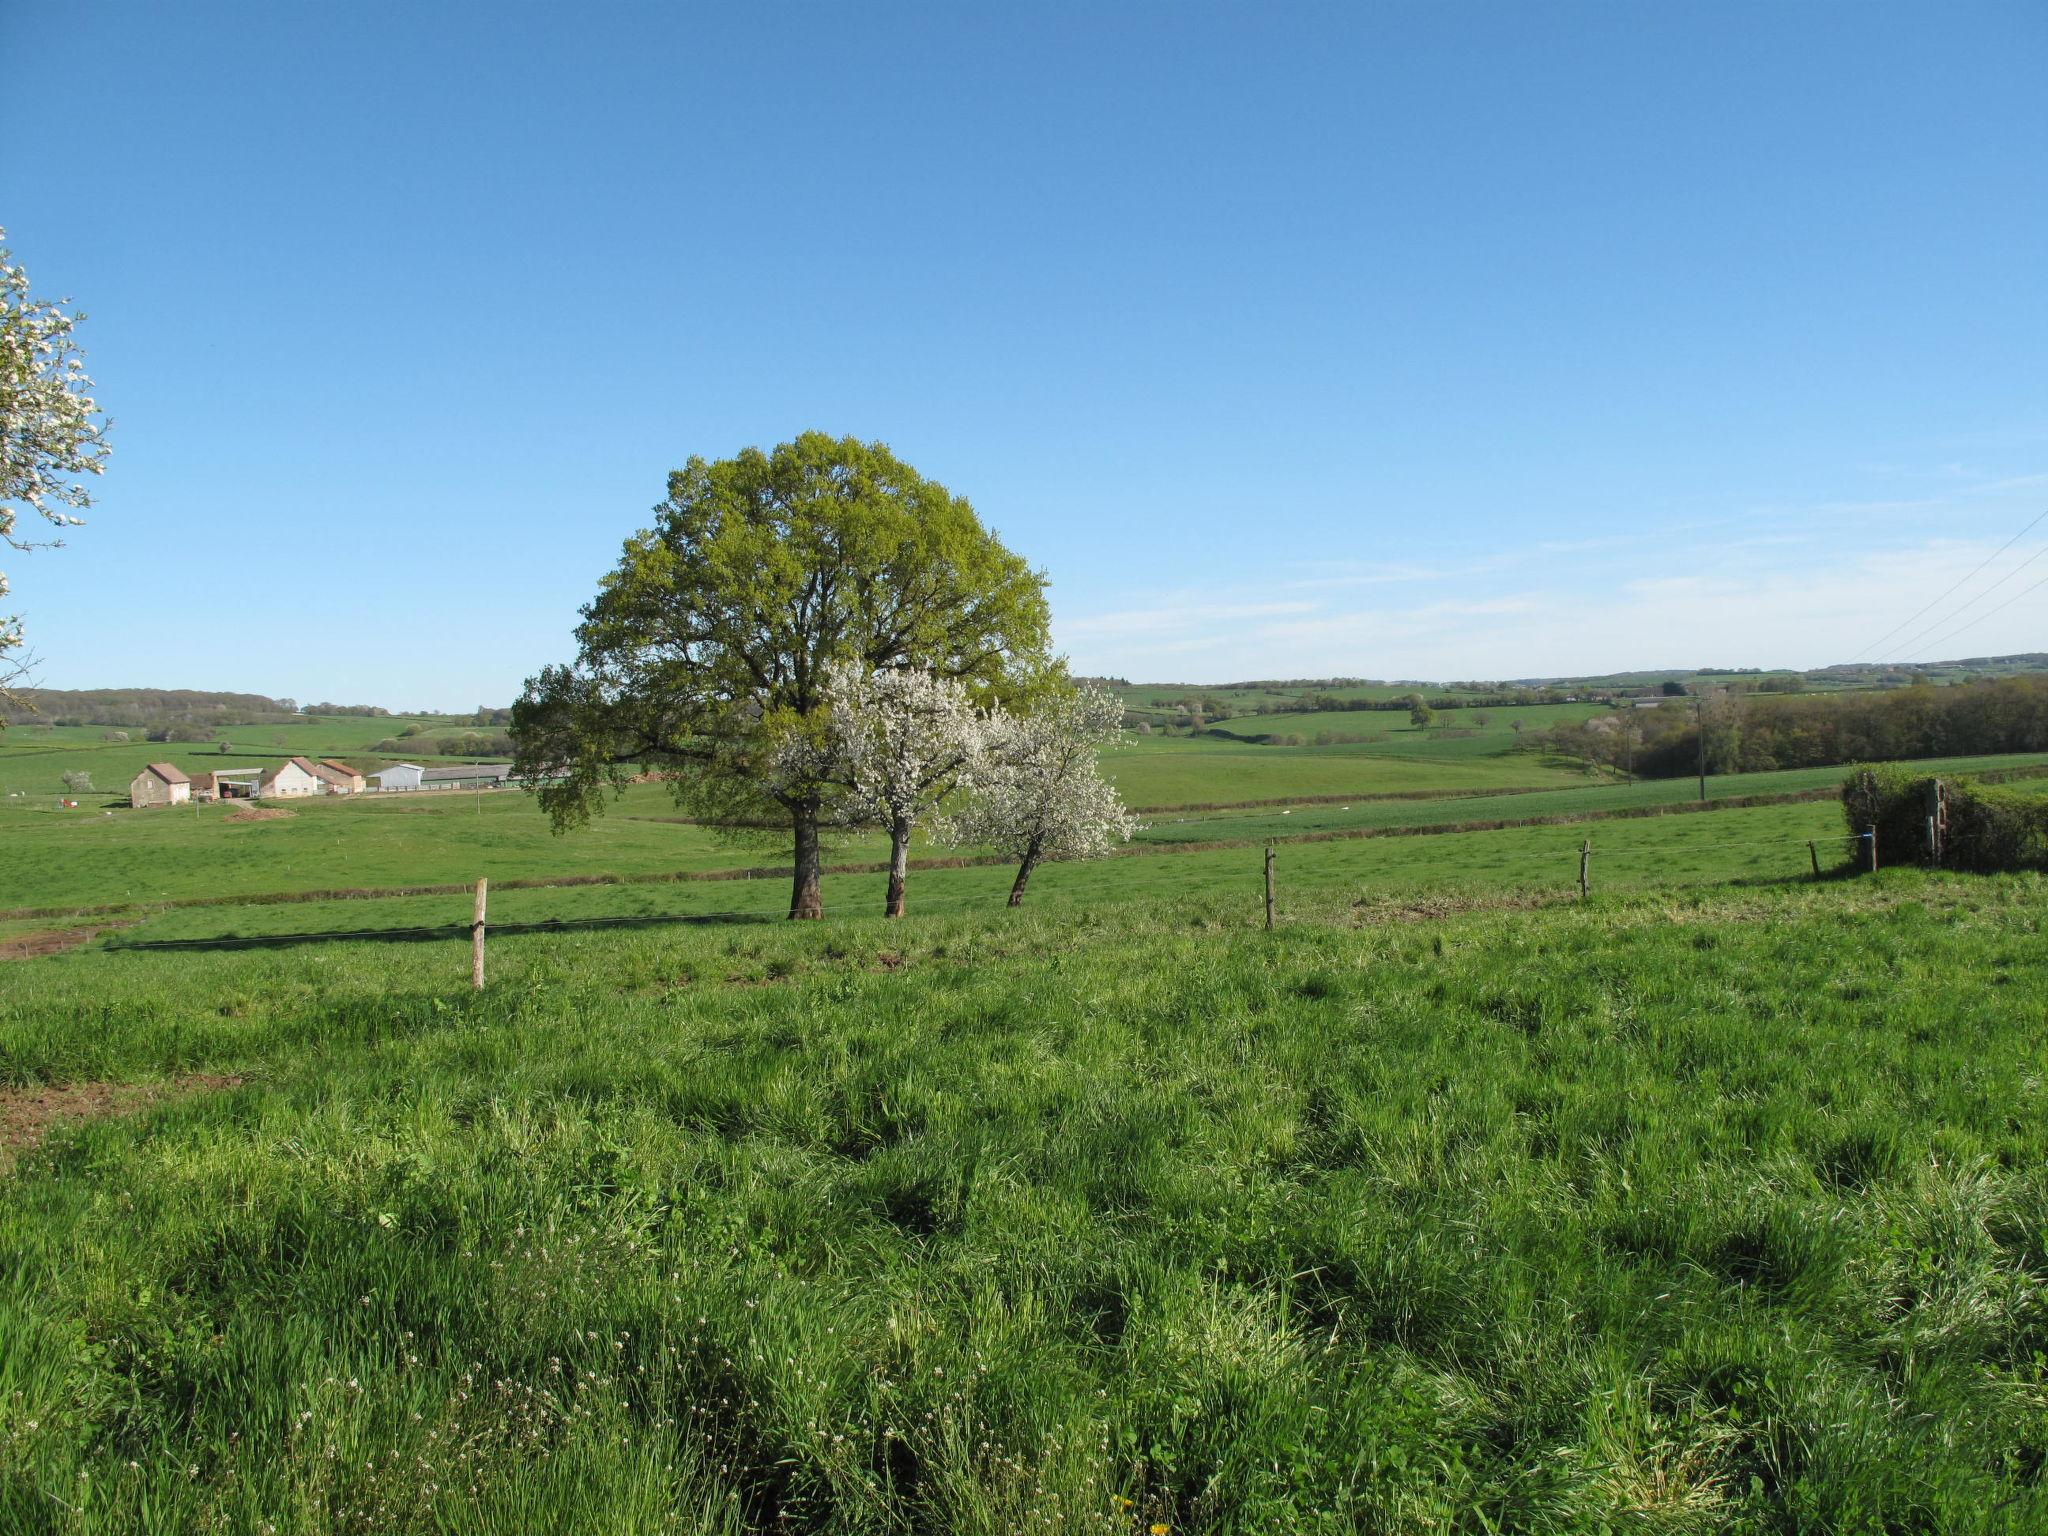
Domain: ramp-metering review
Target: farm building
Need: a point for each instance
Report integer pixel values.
(399, 776)
(205, 787)
(234, 783)
(296, 777)
(337, 778)
(159, 784)
(467, 776)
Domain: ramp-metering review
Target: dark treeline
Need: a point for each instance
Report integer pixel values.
(1755, 733)
(1327, 703)
(150, 707)
(1201, 709)
(469, 744)
(168, 709)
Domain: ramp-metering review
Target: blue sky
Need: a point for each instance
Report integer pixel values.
(1385, 340)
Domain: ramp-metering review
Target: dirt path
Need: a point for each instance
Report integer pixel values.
(27, 1115)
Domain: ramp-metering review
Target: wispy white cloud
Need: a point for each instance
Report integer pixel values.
(1740, 612)
(1788, 585)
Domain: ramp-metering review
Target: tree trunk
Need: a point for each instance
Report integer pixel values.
(1023, 878)
(804, 898)
(899, 864)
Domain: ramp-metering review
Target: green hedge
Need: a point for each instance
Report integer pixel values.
(1989, 829)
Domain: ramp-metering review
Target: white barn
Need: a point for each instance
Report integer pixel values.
(296, 777)
(399, 776)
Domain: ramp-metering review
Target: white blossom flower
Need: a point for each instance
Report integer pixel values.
(1038, 790)
(51, 433)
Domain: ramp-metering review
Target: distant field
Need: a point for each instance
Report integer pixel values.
(88, 858)
(1670, 853)
(1202, 770)
(1270, 821)
(424, 838)
(1454, 732)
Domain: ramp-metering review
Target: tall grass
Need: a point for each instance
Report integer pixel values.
(1682, 1212)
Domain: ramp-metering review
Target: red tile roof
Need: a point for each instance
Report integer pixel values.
(168, 772)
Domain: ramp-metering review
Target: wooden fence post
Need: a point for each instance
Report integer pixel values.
(1871, 833)
(1585, 860)
(1813, 853)
(1269, 888)
(476, 937)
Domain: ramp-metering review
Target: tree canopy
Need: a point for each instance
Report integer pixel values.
(51, 433)
(705, 655)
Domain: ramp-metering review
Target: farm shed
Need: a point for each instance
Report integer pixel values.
(295, 777)
(399, 776)
(235, 783)
(338, 778)
(159, 784)
(467, 776)
(205, 787)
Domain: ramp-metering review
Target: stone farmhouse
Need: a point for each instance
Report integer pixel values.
(159, 784)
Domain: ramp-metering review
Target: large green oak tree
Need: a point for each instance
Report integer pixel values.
(704, 656)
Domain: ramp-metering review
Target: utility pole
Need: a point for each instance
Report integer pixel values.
(1699, 729)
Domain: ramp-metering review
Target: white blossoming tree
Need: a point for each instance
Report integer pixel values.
(1039, 793)
(51, 431)
(905, 736)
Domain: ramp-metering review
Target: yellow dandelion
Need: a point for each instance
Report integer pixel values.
(1160, 1528)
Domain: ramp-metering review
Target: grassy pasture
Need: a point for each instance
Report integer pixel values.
(424, 838)
(87, 859)
(1582, 800)
(1151, 771)
(1712, 1210)
(1516, 866)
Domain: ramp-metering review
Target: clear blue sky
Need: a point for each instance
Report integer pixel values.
(1388, 340)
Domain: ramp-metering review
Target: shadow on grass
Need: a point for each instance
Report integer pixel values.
(444, 931)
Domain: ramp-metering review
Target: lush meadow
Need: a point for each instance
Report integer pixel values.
(1692, 1209)
(1713, 1203)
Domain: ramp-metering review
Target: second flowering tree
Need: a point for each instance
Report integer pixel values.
(907, 737)
(1038, 791)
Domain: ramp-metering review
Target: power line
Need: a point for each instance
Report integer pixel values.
(1906, 648)
(2008, 544)
(1944, 640)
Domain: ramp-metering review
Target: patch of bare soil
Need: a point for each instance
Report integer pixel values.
(27, 1115)
(1430, 908)
(262, 813)
(27, 946)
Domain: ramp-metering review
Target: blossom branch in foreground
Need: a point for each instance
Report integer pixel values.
(51, 431)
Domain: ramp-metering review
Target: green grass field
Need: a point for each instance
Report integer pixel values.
(1153, 772)
(1706, 1210)
(1714, 1203)
(90, 858)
